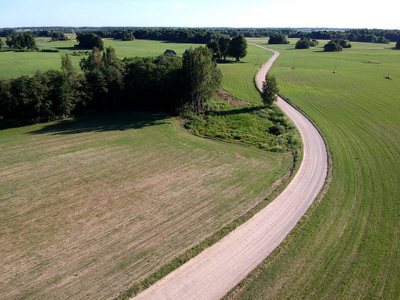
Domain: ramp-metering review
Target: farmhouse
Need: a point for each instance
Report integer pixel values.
(172, 52)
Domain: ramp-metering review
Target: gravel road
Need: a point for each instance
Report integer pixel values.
(215, 271)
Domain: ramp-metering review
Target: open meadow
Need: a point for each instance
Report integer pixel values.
(14, 64)
(347, 247)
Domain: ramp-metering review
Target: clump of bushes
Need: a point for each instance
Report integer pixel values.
(336, 45)
(278, 38)
(263, 127)
(306, 43)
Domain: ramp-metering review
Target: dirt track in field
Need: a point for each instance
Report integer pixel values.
(219, 268)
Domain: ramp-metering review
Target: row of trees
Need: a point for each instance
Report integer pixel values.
(21, 42)
(356, 35)
(203, 36)
(107, 83)
(224, 47)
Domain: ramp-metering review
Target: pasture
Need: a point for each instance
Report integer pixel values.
(15, 64)
(347, 246)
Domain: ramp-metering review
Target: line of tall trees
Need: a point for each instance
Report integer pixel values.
(108, 83)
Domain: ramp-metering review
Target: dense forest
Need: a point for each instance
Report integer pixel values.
(108, 83)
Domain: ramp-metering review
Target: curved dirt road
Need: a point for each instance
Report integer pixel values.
(215, 271)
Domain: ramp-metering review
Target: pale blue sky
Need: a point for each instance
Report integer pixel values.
(206, 13)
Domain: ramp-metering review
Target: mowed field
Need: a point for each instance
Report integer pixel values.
(15, 64)
(90, 206)
(348, 246)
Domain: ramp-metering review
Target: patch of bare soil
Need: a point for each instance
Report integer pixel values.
(224, 94)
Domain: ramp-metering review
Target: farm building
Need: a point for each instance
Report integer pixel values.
(172, 52)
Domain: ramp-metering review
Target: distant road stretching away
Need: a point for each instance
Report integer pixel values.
(219, 268)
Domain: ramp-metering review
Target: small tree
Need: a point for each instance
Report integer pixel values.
(270, 90)
(314, 43)
(398, 44)
(1, 43)
(66, 64)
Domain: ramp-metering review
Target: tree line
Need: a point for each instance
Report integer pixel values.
(108, 83)
(203, 36)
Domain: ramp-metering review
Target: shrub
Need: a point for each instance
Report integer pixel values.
(278, 38)
(303, 43)
(332, 46)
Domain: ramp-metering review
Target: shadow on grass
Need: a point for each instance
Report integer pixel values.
(73, 48)
(236, 111)
(228, 61)
(105, 122)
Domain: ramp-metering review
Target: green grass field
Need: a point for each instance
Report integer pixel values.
(14, 64)
(239, 77)
(348, 245)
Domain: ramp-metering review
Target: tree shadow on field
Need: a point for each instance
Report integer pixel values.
(119, 121)
(73, 48)
(235, 111)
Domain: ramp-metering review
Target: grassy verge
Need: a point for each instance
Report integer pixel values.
(348, 246)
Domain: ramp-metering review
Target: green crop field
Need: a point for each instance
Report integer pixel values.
(14, 64)
(348, 245)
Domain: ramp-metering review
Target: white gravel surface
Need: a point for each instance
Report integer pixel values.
(215, 271)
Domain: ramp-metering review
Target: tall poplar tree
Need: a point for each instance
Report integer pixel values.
(201, 76)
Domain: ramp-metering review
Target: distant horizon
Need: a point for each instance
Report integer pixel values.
(209, 27)
(200, 14)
